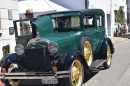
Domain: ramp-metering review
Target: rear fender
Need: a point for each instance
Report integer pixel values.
(103, 49)
(11, 58)
(70, 56)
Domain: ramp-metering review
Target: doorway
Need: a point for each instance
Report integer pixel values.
(108, 25)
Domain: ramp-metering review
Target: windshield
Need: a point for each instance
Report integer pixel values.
(59, 23)
(25, 28)
(66, 23)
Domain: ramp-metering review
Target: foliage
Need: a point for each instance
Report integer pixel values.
(121, 16)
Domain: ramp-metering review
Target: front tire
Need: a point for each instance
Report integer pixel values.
(11, 82)
(77, 73)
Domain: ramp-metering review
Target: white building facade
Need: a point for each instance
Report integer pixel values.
(7, 8)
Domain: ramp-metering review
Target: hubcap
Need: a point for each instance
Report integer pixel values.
(108, 55)
(88, 53)
(76, 73)
(11, 82)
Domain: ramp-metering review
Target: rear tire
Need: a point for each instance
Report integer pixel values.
(77, 73)
(107, 64)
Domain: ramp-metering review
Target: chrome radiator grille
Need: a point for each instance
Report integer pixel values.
(34, 58)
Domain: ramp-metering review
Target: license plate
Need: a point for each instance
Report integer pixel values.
(49, 81)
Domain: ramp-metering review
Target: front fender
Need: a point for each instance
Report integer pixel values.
(11, 58)
(70, 56)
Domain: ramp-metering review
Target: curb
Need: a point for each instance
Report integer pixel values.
(121, 40)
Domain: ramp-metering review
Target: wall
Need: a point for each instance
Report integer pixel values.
(71, 4)
(103, 4)
(5, 23)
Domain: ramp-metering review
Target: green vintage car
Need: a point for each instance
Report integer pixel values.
(67, 45)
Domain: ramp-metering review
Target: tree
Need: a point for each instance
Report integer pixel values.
(121, 16)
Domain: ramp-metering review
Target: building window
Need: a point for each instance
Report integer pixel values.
(10, 17)
(128, 18)
(116, 14)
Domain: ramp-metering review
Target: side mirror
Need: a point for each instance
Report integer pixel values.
(11, 30)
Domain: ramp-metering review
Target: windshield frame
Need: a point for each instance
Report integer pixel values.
(16, 28)
(65, 14)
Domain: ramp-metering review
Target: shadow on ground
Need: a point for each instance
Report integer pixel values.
(87, 77)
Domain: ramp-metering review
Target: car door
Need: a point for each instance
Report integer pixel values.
(90, 29)
(100, 26)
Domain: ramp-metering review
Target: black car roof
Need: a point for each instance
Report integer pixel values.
(79, 10)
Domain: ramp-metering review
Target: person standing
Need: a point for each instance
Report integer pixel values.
(119, 27)
(26, 25)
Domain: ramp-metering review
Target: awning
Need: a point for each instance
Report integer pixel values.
(39, 7)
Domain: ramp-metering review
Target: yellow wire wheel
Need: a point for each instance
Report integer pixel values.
(11, 82)
(88, 53)
(107, 64)
(76, 73)
(108, 55)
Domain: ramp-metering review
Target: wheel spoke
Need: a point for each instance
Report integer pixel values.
(76, 73)
(88, 53)
(11, 82)
(108, 55)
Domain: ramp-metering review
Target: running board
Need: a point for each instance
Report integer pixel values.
(97, 63)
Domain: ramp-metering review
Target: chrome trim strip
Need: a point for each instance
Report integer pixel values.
(35, 75)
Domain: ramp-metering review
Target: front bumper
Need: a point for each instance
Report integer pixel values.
(35, 76)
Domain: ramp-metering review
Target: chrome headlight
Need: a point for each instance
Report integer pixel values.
(19, 49)
(53, 47)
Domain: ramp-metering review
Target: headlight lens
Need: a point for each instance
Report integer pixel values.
(19, 49)
(53, 47)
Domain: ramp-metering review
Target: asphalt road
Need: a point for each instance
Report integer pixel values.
(118, 74)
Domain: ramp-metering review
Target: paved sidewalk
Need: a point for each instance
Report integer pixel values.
(120, 38)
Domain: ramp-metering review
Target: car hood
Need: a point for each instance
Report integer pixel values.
(63, 39)
(60, 37)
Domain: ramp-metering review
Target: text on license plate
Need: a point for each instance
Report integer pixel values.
(49, 81)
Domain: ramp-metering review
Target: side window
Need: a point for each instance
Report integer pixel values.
(99, 20)
(54, 23)
(89, 21)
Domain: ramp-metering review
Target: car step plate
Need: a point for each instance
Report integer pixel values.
(49, 81)
(98, 63)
